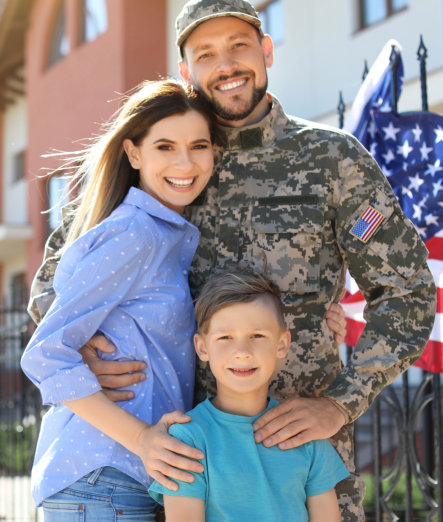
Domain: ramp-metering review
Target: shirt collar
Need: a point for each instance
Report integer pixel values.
(260, 134)
(144, 201)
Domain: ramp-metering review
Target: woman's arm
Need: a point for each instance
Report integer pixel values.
(152, 444)
(323, 507)
(184, 509)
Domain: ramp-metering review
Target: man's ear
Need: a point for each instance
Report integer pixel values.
(184, 72)
(268, 48)
(200, 347)
(284, 343)
(132, 152)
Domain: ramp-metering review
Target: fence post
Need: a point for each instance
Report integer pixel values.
(341, 110)
(422, 54)
(393, 64)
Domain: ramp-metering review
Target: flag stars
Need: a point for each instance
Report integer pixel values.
(415, 182)
(372, 129)
(389, 156)
(373, 149)
(433, 169)
(437, 187)
(439, 134)
(430, 219)
(404, 149)
(417, 133)
(424, 151)
(417, 212)
(391, 131)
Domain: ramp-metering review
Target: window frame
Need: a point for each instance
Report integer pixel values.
(390, 11)
(58, 36)
(83, 19)
(263, 8)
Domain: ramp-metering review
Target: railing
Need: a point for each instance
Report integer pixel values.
(405, 441)
(20, 414)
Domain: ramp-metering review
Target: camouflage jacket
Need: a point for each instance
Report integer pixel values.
(284, 198)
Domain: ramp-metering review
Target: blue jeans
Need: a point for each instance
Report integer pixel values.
(105, 494)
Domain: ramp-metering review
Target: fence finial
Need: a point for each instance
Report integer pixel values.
(341, 110)
(365, 71)
(422, 54)
(393, 64)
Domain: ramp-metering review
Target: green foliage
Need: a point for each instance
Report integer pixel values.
(17, 443)
(397, 500)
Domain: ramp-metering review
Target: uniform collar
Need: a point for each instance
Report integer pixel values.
(260, 134)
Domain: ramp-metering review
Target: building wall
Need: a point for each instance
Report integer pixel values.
(14, 141)
(68, 101)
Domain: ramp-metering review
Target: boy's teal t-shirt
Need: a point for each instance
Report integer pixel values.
(246, 481)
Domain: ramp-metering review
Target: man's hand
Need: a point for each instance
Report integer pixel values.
(335, 319)
(111, 374)
(165, 456)
(297, 421)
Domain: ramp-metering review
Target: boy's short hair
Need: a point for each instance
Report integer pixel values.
(232, 287)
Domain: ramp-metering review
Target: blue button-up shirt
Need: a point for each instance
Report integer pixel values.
(127, 278)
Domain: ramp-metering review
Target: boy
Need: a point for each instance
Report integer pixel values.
(242, 334)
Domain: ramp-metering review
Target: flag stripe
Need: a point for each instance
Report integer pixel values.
(435, 247)
(374, 220)
(409, 149)
(432, 358)
(368, 221)
(440, 300)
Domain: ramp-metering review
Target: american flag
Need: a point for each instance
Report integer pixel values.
(409, 149)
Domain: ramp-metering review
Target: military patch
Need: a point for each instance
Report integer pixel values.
(367, 224)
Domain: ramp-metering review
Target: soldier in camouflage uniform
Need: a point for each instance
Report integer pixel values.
(291, 198)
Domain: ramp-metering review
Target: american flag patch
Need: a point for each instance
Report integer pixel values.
(367, 224)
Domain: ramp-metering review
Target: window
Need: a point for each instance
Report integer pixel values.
(58, 196)
(271, 16)
(94, 19)
(373, 11)
(18, 166)
(59, 46)
(18, 290)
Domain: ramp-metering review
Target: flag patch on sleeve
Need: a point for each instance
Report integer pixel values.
(367, 224)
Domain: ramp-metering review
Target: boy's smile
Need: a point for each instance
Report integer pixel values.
(242, 345)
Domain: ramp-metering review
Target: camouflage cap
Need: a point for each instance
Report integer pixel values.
(196, 12)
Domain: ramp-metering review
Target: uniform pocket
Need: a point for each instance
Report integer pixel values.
(288, 239)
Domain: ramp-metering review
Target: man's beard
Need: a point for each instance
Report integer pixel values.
(227, 114)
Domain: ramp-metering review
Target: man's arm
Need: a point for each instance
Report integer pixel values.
(184, 509)
(323, 507)
(392, 274)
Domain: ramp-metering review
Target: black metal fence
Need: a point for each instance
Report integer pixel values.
(399, 439)
(399, 442)
(20, 414)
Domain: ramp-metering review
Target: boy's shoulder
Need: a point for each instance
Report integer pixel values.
(204, 418)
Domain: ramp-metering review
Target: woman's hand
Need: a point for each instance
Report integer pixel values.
(166, 457)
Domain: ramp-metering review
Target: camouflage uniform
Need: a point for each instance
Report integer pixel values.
(283, 198)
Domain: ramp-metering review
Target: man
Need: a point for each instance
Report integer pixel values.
(302, 202)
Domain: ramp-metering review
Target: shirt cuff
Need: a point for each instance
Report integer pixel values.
(69, 385)
(339, 407)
